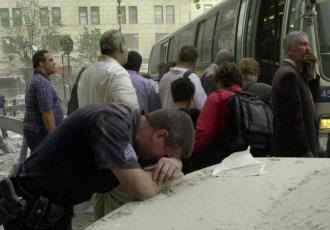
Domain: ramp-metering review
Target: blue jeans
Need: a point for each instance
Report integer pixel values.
(33, 138)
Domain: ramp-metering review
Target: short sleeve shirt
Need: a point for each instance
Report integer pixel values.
(165, 88)
(76, 160)
(40, 96)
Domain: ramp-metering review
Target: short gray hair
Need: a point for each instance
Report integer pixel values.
(291, 38)
(224, 55)
(178, 125)
(111, 41)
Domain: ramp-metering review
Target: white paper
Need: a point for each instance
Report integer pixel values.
(239, 160)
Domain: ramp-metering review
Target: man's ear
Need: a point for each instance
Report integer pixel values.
(160, 134)
(41, 64)
(122, 49)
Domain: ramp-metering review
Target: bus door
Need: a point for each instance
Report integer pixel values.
(264, 35)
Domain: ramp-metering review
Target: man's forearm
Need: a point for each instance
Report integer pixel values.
(49, 120)
(137, 182)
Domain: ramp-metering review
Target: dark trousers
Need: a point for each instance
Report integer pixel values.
(53, 217)
(63, 224)
(33, 138)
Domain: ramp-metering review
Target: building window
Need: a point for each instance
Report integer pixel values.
(17, 17)
(44, 18)
(207, 7)
(4, 17)
(158, 36)
(95, 15)
(56, 15)
(83, 17)
(158, 15)
(121, 15)
(170, 15)
(132, 15)
(132, 41)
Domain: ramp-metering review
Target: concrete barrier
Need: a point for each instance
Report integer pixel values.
(13, 124)
(15, 108)
(292, 194)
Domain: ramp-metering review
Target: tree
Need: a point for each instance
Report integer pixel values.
(89, 47)
(31, 31)
(197, 4)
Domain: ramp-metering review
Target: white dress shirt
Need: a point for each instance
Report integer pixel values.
(106, 81)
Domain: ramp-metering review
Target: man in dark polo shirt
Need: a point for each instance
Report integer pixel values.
(95, 149)
(43, 110)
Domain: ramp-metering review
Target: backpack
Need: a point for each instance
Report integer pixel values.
(186, 74)
(248, 122)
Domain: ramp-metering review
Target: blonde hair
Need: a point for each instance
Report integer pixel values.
(249, 66)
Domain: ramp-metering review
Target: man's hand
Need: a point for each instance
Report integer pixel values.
(166, 169)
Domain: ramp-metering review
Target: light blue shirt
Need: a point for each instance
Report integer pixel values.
(147, 97)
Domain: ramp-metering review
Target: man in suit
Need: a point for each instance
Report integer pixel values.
(296, 133)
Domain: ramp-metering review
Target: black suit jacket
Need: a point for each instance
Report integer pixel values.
(295, 128)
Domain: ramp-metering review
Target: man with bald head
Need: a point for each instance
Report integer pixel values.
(296, 133)
(207, 78)
(106, 80)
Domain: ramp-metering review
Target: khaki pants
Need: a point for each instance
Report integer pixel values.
(105, 203)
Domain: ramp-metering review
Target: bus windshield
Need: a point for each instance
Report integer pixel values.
(323, 9)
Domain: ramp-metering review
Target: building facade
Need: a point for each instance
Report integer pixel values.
(141, 21)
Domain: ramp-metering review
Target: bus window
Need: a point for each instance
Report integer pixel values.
(199, 41)
(170, 48)
(206, 53)
(174, 47)
(163, 52)
(268, 34)
(294, 16)
(154, 56)
(187, 37)
(240, 31)
(225, 28)
(323, 9)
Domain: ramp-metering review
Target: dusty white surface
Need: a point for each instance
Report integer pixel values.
(294, 194)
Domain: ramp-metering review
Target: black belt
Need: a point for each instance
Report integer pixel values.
(36, 212)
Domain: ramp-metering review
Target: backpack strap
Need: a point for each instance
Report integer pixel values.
(187, 74)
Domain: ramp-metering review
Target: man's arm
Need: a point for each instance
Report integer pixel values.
(122, 89)
(49, 120)
(137, 183)
(292, 110)
(200, 95)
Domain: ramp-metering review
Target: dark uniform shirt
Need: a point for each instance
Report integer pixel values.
(76, 159)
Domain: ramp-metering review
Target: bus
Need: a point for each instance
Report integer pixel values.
(253, 28)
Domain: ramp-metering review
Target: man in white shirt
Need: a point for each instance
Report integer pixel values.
(106, 80)
(186, 62)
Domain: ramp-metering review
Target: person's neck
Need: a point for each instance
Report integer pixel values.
(182, 105)
(186, 65)
(292, 61)
(117, 56)
(41, 70)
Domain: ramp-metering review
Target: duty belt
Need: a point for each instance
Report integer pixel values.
(36, 212)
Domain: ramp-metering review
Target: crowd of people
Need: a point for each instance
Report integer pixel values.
(125, 134)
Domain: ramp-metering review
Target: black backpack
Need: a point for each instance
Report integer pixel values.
(248, 121)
